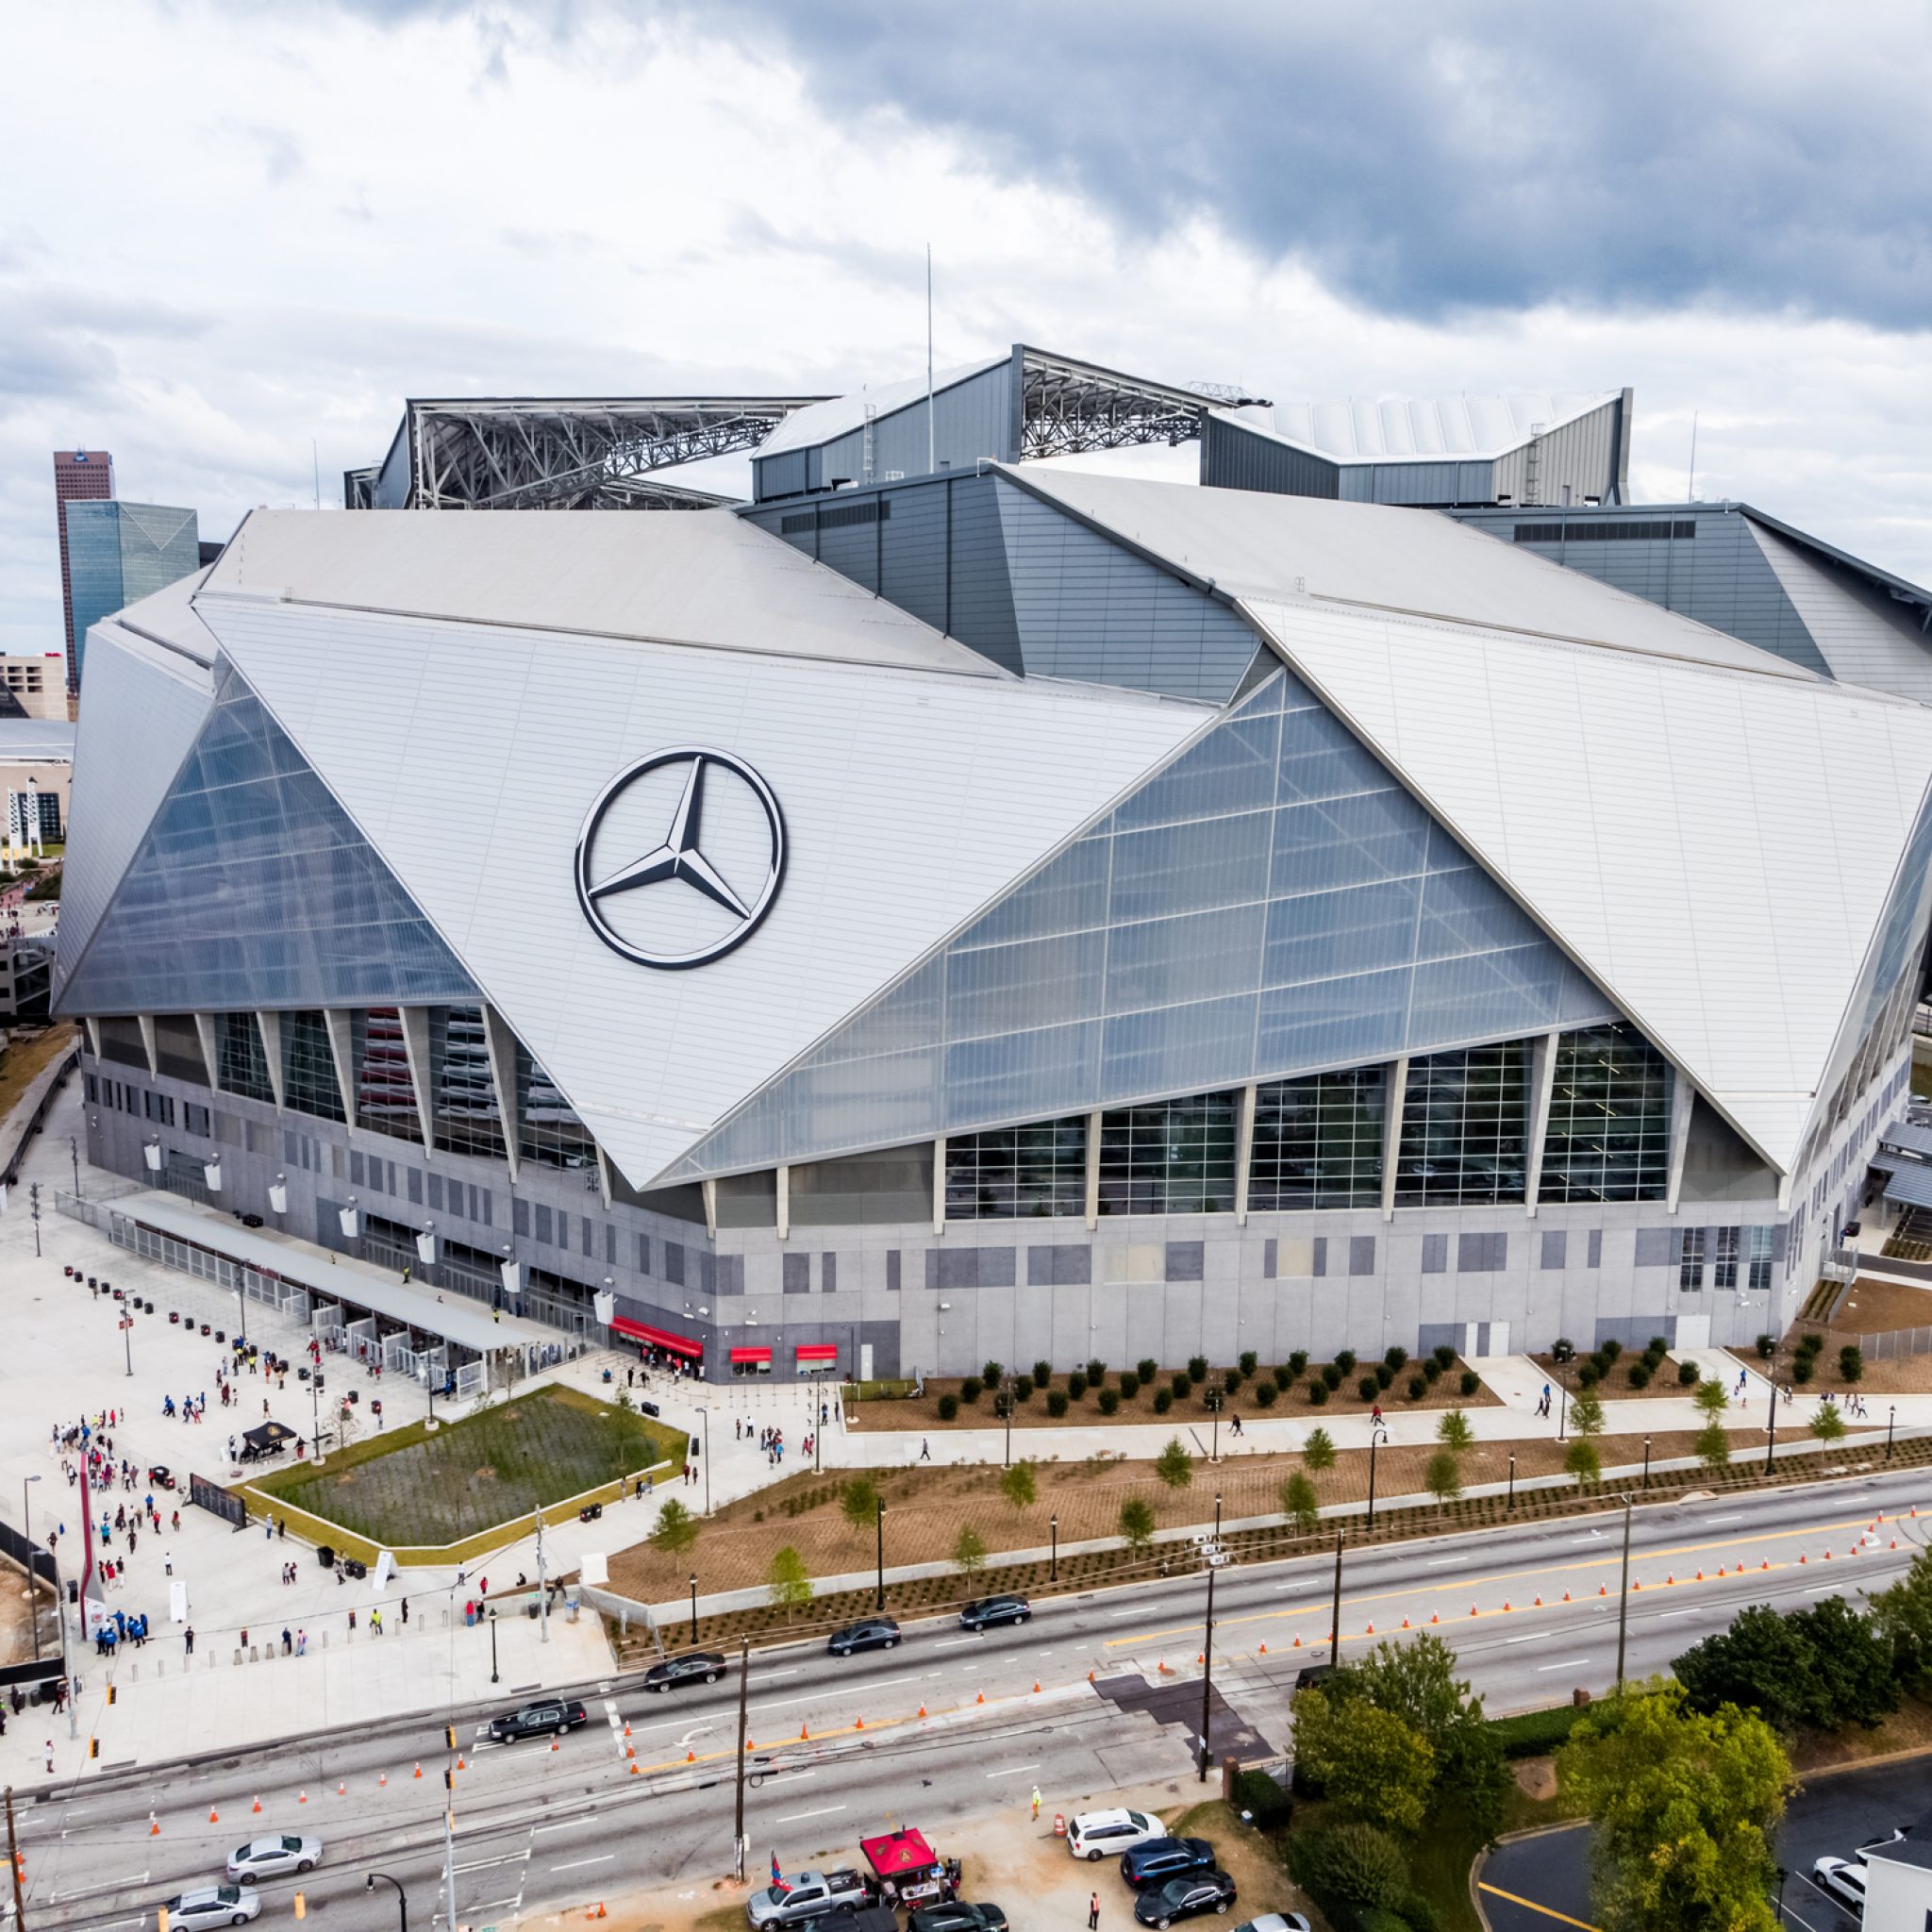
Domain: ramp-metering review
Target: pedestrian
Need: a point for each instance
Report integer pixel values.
(351, 1622)
(1036, 1804)
(282, 1529)
(268, 1529)
(301, 1642)
(50, 1758)
(1092, 1911)
(288, 1641)
(406, 1610)
(924, 1450)
(483, 1586)
(188, 1638)
(244, 1637)
(375, 1621)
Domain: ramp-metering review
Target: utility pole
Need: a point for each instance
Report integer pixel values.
(879, 1597)
(542, 1598)
(1335, 1629)
(1624, 1598)
(1207, 1646)
(1771, 1426)
(13, 1861)
(1376, 1436)
(738, 1843)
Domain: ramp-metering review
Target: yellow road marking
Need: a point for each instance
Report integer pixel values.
(1529, 1904)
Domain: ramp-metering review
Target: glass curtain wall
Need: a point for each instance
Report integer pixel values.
(1318, 1141)
(241, 1056)
(462, 1095)
(1174, 1157)
(1465, 1127)
(548, 1130)
(1610, 1132)
(385, 1093)
(1012, 1172)
(178, 1048)
(309, 1069)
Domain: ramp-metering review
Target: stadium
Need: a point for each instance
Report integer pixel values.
(981, 882)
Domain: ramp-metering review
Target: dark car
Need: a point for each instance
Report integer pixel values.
(1312, 1676)
(1161, 1858)
(995, 1609)
(552, 1718)
(958, 1917)
(856, 1919)
(1181, 1898)
(695, 1667)
(869, 1633)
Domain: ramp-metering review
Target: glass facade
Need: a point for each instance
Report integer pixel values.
(462, 1095)
(1176, 1156)
(548, 1130)
(1009, 1173)
(1270, 904)
(240, 1055)
(385, 1093)
(308, 1068)
(1610, 1132)
(178, 1048)
(118, 553)
(253, 889)
(1318, 1141)
(1465, 1127)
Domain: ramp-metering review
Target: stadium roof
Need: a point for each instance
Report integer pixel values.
(841, 415)
(1386, 429)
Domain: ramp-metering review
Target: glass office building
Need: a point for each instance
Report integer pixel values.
(117, 553)
(1011, 913)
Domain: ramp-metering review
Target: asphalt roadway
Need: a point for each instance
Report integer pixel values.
(1099, 1692)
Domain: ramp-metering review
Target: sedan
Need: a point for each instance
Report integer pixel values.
(984, 1610)
(869, 1633)
(958, 1917)
(212, 1905)
(1181, 1898)
(1842, 1882)
(695, 1667)
(550, 1719)
(1161, 1858)
(269, 1858)
(1275, 1921)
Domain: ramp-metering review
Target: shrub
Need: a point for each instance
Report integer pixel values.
(1443, 1357)
(1163, 1401)
(1851, 1363)
(1055, 1402)
(1588, 1375)
(1096, 1371)
(1396, 1361)
(1233, 1381)
(1344, 1360)
(1600, 1363)
(1610, 1351)
(1042, 1375)
(1022, 1389)
(1331, 1375)
(1418, 1386)
(1262, 1799)
(1282, 1379)
(1249, 1362)
(1562, 1349)
(1182, 1387)
(1350, 1869)
(1812, 1345)
(1318, 1394)
(1264, 1394)
(1110, 1400)
(1077, 1386)
(1297, 1361)
(1657, 1343)
(1536, 1733)
(1801, 1368)
(1767, 1346)
(992, 1372)
(1383, 1375)
(1640, 1373)
(1147, 1368)
(1368, 1387)
(970, 1391)
(1686, 1374)
(1469, 1382)
(1130, 1384)
(949, 1407)
(1432, 1372)
(1197, 1367)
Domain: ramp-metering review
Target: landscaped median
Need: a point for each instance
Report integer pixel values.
(470, 1487)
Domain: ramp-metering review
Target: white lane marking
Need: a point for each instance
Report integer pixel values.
(954, 1643)
(55, 1898)
(824, 1812)
(1664, 1616)
(1012, 1770)
(1708, 1520)
(1568, 1663)
(1138, 1610)
(568, 1824)
(576, 1864)
(786, 1702)
(1529, 1637)
(767, 1676)
(484, 1864)
(1443, 1562)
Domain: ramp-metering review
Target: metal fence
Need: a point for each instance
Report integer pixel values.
(1888, 1344)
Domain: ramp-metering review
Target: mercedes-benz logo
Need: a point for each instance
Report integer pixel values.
(713, 855)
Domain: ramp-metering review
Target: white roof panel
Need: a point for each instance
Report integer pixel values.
(703, 578)
(820, 421)
(1391, 430)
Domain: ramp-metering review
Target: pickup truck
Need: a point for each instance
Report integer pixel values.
(806, 1895)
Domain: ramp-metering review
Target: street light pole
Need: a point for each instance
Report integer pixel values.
(880, 1527)
(491, 1613)
(1335, 1627)
(739, 1847)
(693, 1606)
(1511, 1504)
(33, 1579)
(1624, 1598)
(1207, 1643)
(402, 1897)
(704, 1412)
(1771, 1430)
(1052, 1574)
(1006, 1400)
(1374, 1442)
(1891, 1423)
(74, 1143)
(1646, 1462)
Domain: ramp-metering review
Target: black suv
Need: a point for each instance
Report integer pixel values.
(1161, 1858)
(1181, 1898)
(538, 1720)
(869, 1633)
(958, 1917)
(695, 1667)
(995, 1609)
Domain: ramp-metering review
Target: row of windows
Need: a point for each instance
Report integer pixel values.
(1608, 530)
(1733, 1247)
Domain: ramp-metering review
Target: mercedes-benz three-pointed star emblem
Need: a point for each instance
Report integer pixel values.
(679, 863)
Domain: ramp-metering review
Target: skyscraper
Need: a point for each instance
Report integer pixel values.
(81, 476)
(119, 552)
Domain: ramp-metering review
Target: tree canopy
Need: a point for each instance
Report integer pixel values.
(1318, 1452)
(1137, 1523)
(1299, 1503)
(1019, 1486)
(859, 1502)
(676, 1530)
(1173, 1465)
(788, 1583)
(1368, 1761)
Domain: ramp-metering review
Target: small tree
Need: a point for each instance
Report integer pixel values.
(1903, 1616)
(1587, 1414)
(1017, 1484)
(1582, 1461)
(1137, 1524)
(1828, 1424)
(859, 1502)
(1710, 1398)
(1453, 1431)
(787, 1584)
(1318, 1452)
(675, 1530)
(1367, 1761)
(1444, 1477)
(1714, 1445)
(968, 1551)
(1173, 1465)
(1299, 1503)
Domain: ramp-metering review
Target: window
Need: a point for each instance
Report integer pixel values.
(1758, 1280)
(308, 1068)
(462, 1095)
(1009, 1171)
(1609, 1131)
(548, 1130)
(1725, 1279)
(178, 1048)
(1690, 1260)
(1464, 1127)
(1318, 1141)
(1174, 1157)
(385, 1093)
(194, 1118)
(239, 1057)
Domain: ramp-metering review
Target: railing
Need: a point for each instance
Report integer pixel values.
(1887, 1344)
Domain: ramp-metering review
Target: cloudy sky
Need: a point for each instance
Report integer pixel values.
(234, 236)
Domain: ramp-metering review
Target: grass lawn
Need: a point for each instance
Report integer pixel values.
(406, 1488)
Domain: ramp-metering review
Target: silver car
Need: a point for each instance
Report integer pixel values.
(212, 1905)
(269, 1858)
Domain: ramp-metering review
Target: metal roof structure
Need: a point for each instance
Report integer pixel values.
(1385, 430)
(560, 452)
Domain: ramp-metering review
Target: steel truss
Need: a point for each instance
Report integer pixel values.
(1068, 406)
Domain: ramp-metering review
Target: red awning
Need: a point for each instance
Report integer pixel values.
(900, 1852)
(657, 1338)
(751, 1355)
(818, 1351)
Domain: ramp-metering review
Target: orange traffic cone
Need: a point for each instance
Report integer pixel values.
(554, 1745)
(637, 1770)
(382, 1782)
(154, 1829)
(1296, 1645)
(626, 1730)
(212, 1817)
(257, 1804)
(1506, 1603)
(343, 1789)
(1036, 1687)
(981, 1698)
(1434, 1617)
(302, 1797)
(690, 1756)
(1264, 1650)
(858, 1723)
(922, 1710)
(1566, 1596)
(631, 1750)
(803, 1735)
(460, 1766)
(1404, 1622)
(419, 1771)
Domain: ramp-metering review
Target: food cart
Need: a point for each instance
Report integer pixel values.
(908, 1871)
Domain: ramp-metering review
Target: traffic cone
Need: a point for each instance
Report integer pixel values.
(1472, 1609)
(1636, 1583)
(1670, 1577)
(1036, 1687)
(1801, 1555)
(1404, 1622)
(1603, 1589)
(257, 1804)
(1296, 1645)
(922, 1710)
(637, 1770)
(803, 1735)
(460, 1766)
(419, 1771)
(212, 1817)
(382, 1782)
(302, 1798)
(1766, 1564)
(1435, 1617)
(631, 1750)
(858, 1723)
(343, 1789)
(1371, 1629)
(626, 1730)
(981, 1698)
(690, 1756)
(554, 1745)
(1506, 1603)
(1566, 1596)
(1700, 1577)
(154, 1827)
(1264, 1650)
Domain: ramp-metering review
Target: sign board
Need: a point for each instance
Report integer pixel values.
(212, 1497)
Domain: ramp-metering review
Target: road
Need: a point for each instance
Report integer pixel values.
(1101, 1691)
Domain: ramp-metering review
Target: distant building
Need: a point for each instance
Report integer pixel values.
(27, 968)
(81, 476)
(37, 773)
(33, 687)
(114, 555)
